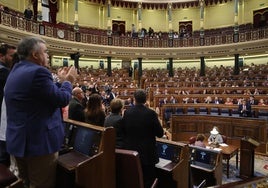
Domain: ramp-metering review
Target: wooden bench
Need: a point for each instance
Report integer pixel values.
(210, 109)
(201, 98)
(213, 91)
(185, 126)
(91, 161)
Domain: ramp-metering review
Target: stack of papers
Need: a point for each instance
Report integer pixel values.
(162, 162)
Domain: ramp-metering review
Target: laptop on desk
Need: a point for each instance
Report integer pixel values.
(168, 153)
(86, 144)
(203, 158)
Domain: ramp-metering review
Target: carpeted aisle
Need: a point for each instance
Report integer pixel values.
(260, 168)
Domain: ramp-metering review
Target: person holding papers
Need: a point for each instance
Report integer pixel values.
(215, 138)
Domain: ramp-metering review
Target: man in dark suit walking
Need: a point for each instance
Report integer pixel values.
(140, 127)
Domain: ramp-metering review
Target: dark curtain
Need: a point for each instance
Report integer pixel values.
(34, 2)
(53, 9)
(186, 27)
(119, 27)
(260, 18)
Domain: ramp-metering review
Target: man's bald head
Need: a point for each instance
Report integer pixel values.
(78, 93)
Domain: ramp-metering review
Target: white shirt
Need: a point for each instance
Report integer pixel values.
(3, 125)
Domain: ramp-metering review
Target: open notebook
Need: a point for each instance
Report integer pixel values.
(163, 162)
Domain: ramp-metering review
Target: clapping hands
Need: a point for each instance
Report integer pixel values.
(67, 74)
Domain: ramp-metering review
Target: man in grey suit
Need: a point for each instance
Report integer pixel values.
(140, 126)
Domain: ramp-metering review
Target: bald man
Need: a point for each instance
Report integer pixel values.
(76, 109)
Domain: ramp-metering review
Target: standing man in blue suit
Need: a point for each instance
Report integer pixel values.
(35, 131)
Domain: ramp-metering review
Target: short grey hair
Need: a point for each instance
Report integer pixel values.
(27, 45)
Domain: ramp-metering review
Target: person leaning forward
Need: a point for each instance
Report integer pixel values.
(35, 130)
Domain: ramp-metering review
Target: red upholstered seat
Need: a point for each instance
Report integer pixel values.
(192, 140)
(224, 138)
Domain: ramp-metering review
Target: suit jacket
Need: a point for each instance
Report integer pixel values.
(4, 71)
(76, 110)
(245, 113)
(140, 126)
(115, 120)
(34, 102)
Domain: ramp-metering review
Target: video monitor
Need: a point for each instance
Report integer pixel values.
(87, 141)
(168, 151)
(203, 156)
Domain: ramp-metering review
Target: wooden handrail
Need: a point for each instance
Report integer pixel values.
(231, 108)
(83, 124)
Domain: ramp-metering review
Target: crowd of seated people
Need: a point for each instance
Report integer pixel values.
(186, 82)
(234, 88)
(157, 81)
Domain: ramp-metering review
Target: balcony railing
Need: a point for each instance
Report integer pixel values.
(100, 37)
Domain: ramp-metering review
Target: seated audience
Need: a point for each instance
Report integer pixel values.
(215, 137)
(228, 101)
(252, 100)
(217, 100)
(95, 111)
(244, 109)
(200, 140)
(261, 102)
(208, 99)
(76, 108)
(173, 100)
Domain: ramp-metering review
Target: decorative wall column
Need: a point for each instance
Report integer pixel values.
(109, 21)
(39, 11)
(35, 11)
(139, 18)
(202, 40)
(236, 64)
(170, 69)
(53, 9)
(202, 66)
(236, 27)
(139, 71)
(76, 26)
(109, 66)
(170, 27)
